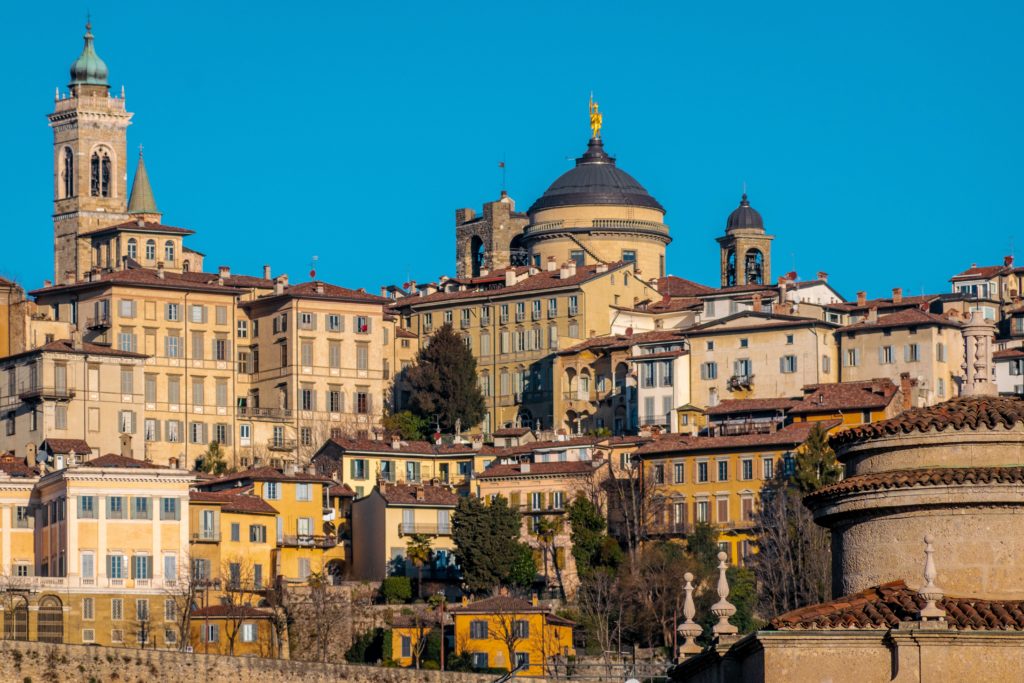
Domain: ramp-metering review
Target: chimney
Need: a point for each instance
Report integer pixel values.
(1008, 261)
(47, 284)
(563, 272)
(510, 277)
(224, 271)
(552, 266)
(160, 269)
(279, 284)
(290, 469)
(319, 287)
(484, 272)
(756, 303)
(524, 468)
(478, 441)
(126, 445)
(602, 268)
(266, 272)
(906, 388)
(30, 454)
(897, 295)
(862, 298)
(873, 314)
(571, 265)
(383, 291)
(421, 494)
(534, 601)
(76, 339)
(396, 442)
(823, 276)
(411, 286)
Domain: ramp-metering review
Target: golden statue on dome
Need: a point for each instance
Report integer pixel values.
(595, 117)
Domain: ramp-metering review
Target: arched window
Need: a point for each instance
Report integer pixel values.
(730, 268)
(133, 249)
(476, 253)
(50, 620)
(69, 173)
(185, 265)
(169, 251)
(101, 174)
(150, 250)
(754, 267)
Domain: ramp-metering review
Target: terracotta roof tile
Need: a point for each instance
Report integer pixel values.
(869, 394)
(499, 604)
(751, 405)
(245, 611)
(265, 474)
(890, 604)
(932, 476)
(1008, 354)
(65, 446)
(673, 286)
(147, 226)
(982, 272)
(511, 431)
(341, 490)
(416, 447)
(16, 467)
(324, 290)
(538, 469)
(918, 301)
(66, 346)
(971, 412)
(233, 502)
(908, 317)
(144, 277)
(114, 460)
(623, 341)
(791, 435)
(405, 494)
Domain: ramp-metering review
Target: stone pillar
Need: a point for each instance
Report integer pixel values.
(978, 335)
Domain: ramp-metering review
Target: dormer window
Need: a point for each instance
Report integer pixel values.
(133, 249)
(169, 251)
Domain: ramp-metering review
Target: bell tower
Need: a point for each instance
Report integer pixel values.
(746, 250)
(90, 190)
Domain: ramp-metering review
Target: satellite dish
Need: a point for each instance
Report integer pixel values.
(632, 680)
(41, 456)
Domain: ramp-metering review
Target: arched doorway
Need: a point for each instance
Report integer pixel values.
(51, 620)
(16, 619)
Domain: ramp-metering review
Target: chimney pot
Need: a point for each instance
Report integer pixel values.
(266, 272)
(224, 271)
(510, 277)
(873, 314)
(823, 276)
(1008, 261)
(47, 283)
(160, 269)
(126, 445)
(897, 295)
(756, 305)
(862, 298)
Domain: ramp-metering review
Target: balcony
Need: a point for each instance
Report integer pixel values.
(426, 529)
(573, 310)
(464, 323)
(206, 536)
(307, 541)
(99, 322)
(36, 392)
(485, 320)
(520, 316)
(282, 444)
(270, 414)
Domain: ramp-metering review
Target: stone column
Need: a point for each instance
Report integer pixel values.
(978, 335)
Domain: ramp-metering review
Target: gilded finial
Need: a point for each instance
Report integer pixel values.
(595, 117)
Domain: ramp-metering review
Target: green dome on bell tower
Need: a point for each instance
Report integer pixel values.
(88, 69)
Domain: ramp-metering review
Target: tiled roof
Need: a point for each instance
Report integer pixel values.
(760, 321)
(661, 355)
(341, 490)
(931, 476)
(887, 606)
(114, 460)
(917, 301)
(673, 305)
(405, 494)
(751, 405)
(144, 277)
(971, 412)
(403, 333)
(324, 290)
(908, 317)
(148, 226)
(417, 447)
(65, 446)
(1008, 354)
(538, 469)
(16, 467)
(975, 272)
(511, 431)
(499, 604)
(623, 341)
(673, 286)
(544, 280)
(66, 346)
(266, 474)
(869, 394)
(791, 435)
(234, 502)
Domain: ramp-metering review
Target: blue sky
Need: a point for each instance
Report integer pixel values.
(881, 141)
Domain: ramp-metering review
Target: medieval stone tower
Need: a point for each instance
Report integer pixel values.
(90, 181)
(490, 241)
(746, 249)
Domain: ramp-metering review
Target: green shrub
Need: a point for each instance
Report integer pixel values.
(368, 648)
(396, 589)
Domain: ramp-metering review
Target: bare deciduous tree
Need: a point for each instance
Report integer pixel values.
(184, 593)
(238, 596)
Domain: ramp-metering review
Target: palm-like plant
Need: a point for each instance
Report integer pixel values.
(419, 552)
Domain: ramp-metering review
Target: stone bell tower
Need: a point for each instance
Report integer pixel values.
(90, 180)
(490, 241)
(746, 249)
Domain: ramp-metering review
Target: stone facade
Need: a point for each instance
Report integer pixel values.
(490, 241)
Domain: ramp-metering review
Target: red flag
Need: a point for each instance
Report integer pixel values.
(501, 164)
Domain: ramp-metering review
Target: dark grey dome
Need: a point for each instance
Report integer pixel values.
(595, 180)
(744, 216)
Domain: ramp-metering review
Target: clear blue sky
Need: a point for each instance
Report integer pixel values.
(881, 141)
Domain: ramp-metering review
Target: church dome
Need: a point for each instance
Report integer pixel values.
(744, 216)
(88, 69)
(595, 180)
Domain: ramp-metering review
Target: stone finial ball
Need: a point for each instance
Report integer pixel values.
(722, 556)
(928, 539)
(688, 577)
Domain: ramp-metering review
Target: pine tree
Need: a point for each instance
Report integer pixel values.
(486, 542)
(444, 382)
(816, 465)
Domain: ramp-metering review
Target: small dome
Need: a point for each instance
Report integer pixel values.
(744, 216)
(88, 69)
(595, 180)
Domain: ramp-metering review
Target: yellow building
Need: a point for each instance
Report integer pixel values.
(385, 520)
(302, 541)
(503, 631)
(513, 320)
(241, 630)
(361, 463)
(716, 480)
(232, 538)
(407, 630)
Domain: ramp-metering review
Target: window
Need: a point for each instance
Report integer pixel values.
(88, 610)
(170, 568)
(362, 402)
(629, 255)
(576, 256)
(521, 628)
(220, 349)
(236, 532)
(480, 660)
(768, 468)
(885, 355)
(940, 352)
(709, 370)
(169, 509)
(722, 513)
(248, 633)
(787, 364)
(272, 490)
(744, 343)
(150, 250)
(142, 567)
(170, 610)
(60, 418)
(747, 469)
(723, 470)
(702, 471)
(703, 510)
(212, 633)
(912, 353)
(304, 492)
(169, 251)
(362, 356)
(826, 364)
(172, 346)
(743, 368)
(334, 323)
(140, 508)
(257, 533)
(117, 608)
(362, 324)
(478, 629)
(87, 507)
(679, 473)
(851, 358)
(659, 474)
(522, 659)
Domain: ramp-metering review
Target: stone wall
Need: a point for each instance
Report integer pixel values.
(30, 662)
